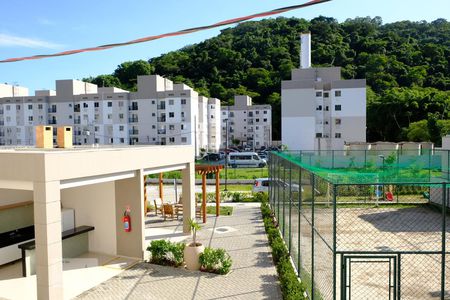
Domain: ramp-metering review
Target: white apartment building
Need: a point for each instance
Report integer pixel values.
(319, 110)
(160, 112)
(248, 123)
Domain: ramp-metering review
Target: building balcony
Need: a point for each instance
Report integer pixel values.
(250, 130)
(77, 121)
(161, 107)
(133, 120)
(51, 110)
(2, 122)
(161, 119)
(1, 111)
(51, 122)
(161, 131)
(134, 131)
(250, 122)
(133, 107)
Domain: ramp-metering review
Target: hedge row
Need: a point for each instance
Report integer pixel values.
(291, 287)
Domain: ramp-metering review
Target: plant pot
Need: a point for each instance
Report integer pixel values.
(191, 255)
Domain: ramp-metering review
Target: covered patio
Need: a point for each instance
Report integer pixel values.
(99, 185)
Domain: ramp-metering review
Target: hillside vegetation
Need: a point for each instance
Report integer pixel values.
(406, 64)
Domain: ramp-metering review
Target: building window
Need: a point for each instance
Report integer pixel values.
(85, 105)
(39, 106)
(109, 104)
(318, 94)
(30, 106)
(327, 108)
(96, 104)
(96, 116)
(122, 140)
(337, 135)
(326, 95)
(257, 127)
(153, 115)
(8, 107)
(265, 120)
(171, 114)
(337, 121)
(337, 107)
(18, 106)
(257, 112)
(337, 93)
(265, 112)
(224, 113)
(319, 107)
(30, 118)
(153, 127)
(212, 116)
(318, 135)
(182, 114)
(120, 116)
(96, 128)
(183, 140)
(121, 128)
(170, 102)
(120, 103)
(257, 120)
(183, 101)
(172, 140)
(182, 126)
(171, 127)
(109, 116)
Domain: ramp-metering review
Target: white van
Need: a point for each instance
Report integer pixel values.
(261, 185)
(245, 159)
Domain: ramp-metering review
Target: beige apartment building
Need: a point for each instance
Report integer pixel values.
(248, 123)
(160, 112)
(98, 184)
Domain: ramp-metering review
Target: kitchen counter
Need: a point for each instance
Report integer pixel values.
(16, 236)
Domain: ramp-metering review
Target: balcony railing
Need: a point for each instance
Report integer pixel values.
(52, 110)
(134, 131)
(133, 120)
(51, 122)
(133, 107)
(161, 131)
(161, 119)
(77, 121)
(161, 107)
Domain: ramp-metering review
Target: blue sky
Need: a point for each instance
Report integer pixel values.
(48, 26)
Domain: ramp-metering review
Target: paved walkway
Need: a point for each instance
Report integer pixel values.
(253, 274)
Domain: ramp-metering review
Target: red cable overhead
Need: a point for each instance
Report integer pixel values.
(160, 36)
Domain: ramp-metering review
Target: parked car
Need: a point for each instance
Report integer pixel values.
(211, 157)
(245, 159)
(261, 185)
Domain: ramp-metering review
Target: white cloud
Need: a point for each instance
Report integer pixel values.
(7, 40)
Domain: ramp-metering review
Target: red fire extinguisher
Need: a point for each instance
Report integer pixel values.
(126, 220)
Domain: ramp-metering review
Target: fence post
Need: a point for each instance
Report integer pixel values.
(444, 225)
(284, 196)
(334, 239)
(332, 159)
(290, 206)
(278, 189)
(299, 265)
(312, 233)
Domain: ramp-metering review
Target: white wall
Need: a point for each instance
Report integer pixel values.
(95, 206)
(298, 132)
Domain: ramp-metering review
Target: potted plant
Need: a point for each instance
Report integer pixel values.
(193, 250)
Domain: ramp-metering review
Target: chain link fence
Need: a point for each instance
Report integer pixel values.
(379, 240)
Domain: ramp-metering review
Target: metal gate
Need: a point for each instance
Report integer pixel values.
(366, 277)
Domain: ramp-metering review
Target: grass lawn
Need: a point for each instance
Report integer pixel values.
(237, 187)
(233, 173)
(224, 210)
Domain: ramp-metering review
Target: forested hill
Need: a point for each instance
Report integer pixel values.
(406, 64)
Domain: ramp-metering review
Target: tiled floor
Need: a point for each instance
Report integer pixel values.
(253, 274)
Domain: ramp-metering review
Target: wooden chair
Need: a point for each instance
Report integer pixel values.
(168, 209)
(158, 206)
(198, 208)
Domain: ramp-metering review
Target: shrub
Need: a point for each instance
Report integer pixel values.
(291, 288)
(166, 253)
(215, 261)
(261, 197)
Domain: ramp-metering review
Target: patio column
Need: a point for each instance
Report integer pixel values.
(217, 193)
(161, 187)
(47, 228)
(129, 193)
(188, 195)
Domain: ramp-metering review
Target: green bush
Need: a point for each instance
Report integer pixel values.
(260, 197)
(166, 253)
(291, 288)
(215, 261)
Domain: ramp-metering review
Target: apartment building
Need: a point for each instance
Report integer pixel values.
(160, 112)
(319, 110)
(250, 124)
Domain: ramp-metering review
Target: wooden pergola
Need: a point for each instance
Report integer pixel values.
(204, 170)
